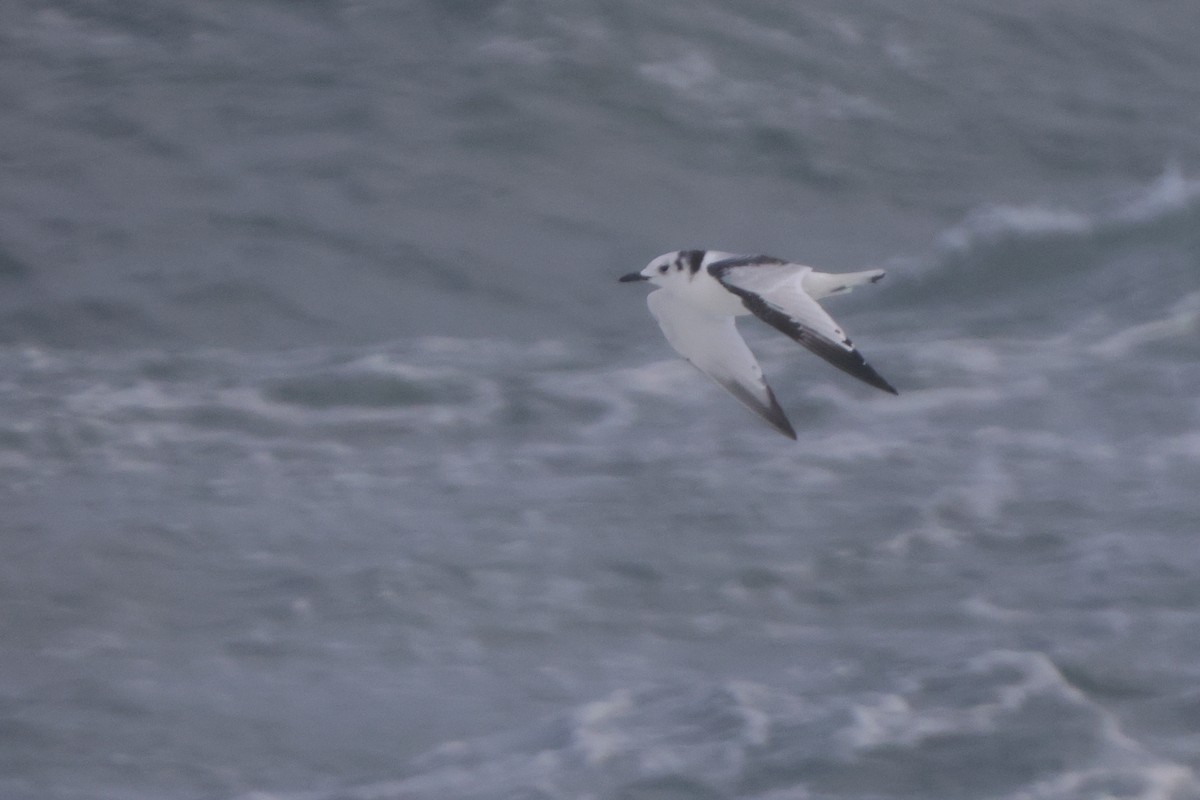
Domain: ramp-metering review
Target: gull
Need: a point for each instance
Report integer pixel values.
(701, 292)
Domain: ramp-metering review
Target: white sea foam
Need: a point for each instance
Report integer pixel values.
(1019, 688)
(1182, 321)
(528, 52)
(690, 72)
(752, 699)
(984, 609)
(998, 222)
(1148, 781)
(1171, 192)
(597, 731)
(1167, 195)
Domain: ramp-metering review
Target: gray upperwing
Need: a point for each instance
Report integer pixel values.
(712, 344)
(774, 293)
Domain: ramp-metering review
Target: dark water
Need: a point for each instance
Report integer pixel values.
(334, 464)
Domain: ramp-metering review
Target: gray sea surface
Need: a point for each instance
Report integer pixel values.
(335, 464)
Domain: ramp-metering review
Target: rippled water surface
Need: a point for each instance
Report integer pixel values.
(335, 465)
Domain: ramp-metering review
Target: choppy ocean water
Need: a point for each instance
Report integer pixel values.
(335, 464)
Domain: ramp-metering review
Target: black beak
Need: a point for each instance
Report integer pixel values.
(631, 277)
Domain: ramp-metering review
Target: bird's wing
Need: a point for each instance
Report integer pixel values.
(712, 344)
(772, 290)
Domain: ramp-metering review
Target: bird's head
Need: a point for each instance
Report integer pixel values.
(678, 265)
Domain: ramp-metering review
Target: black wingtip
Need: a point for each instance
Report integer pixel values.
(877, 381)
(776, 419)
(775, 416)
(867, 374)
(772, 413)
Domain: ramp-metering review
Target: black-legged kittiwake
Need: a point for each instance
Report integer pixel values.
(702, 291)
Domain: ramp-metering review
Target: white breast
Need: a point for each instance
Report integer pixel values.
(706, 293)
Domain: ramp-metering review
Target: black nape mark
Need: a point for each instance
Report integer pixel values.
(693, 259)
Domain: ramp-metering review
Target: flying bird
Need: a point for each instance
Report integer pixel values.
(701, 292)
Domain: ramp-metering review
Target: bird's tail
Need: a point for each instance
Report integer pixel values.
(823, 284)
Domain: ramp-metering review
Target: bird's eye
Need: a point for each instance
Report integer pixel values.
(663, 269)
